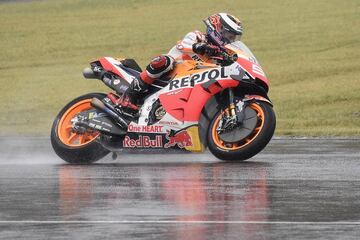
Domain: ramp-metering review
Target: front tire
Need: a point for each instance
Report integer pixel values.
(252, 143)
(76, 148)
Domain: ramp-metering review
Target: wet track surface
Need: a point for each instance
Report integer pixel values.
(295, 189)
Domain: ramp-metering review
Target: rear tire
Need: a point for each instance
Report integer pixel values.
(250, 145)
(72, 147)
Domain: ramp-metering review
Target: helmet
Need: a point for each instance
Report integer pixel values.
(223, 28)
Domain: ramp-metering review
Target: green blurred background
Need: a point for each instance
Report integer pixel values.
(310, 50)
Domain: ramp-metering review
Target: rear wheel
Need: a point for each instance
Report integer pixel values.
(246, 140)
(76, 146)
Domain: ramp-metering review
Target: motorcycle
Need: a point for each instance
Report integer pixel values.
(223, 107)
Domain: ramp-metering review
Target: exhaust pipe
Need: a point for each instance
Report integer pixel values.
(96, 103)
(89, 73)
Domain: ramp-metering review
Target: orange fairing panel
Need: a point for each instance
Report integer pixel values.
(175, 101)
(186, 104)
(187, 94)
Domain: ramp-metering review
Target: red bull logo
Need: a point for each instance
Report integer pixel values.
(182, 139)
(143, 142)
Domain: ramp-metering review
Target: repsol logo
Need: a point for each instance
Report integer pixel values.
(191, 81)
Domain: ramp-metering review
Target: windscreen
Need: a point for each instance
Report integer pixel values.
(241, 46)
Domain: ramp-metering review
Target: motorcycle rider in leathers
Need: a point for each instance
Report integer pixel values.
(222, 29)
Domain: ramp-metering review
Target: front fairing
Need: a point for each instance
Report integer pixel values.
(240, 48)
(247, 61)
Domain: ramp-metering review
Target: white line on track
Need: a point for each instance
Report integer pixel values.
(182, 222)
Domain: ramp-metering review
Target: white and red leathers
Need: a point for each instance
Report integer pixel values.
(163, 64)
(221, 28)
(183, 50)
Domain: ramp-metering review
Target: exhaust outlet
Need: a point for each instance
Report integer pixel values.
(89, 73)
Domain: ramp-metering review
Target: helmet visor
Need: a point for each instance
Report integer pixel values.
(230, 37)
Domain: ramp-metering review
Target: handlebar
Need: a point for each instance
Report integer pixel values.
(229, 57)
(226, 59)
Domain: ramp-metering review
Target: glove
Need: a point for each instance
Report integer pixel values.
(212, 50)
(207, 49)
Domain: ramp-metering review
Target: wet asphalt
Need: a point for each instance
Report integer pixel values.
(294, 189)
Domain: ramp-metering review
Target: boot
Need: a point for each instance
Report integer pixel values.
(131, 97)
(159, 66)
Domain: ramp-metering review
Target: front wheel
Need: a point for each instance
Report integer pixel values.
(246, 140)
(72, 146)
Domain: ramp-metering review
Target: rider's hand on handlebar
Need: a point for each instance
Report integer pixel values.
(212, 50)
(226, 59)
(207, 49)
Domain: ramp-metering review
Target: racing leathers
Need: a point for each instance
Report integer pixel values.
(194, 46)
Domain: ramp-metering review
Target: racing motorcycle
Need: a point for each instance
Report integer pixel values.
(223, 107)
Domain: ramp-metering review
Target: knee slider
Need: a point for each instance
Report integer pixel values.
(159, 66)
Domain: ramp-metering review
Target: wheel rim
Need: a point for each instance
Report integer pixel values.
(65, 133)
(247, 140)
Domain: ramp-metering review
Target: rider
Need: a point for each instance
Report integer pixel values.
(222, 29)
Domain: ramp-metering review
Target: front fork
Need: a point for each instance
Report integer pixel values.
(232, 111)
(234, 108)
(229, 118)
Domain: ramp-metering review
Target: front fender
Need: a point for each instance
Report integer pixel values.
(256, 97)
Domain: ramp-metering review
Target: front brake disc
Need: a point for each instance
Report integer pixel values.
(243, 130)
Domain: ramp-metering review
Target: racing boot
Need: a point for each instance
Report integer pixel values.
(158, 67)
(130, 99)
